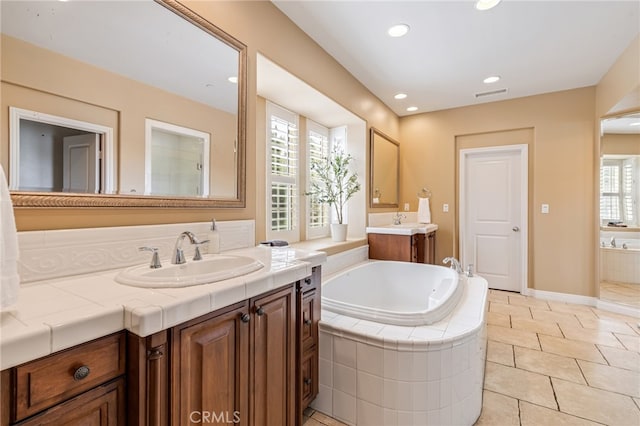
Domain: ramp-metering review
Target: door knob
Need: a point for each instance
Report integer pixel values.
(516, 229)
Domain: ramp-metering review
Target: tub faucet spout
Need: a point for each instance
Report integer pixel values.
(455, 264)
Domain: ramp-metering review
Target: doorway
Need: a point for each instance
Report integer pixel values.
(493, 216)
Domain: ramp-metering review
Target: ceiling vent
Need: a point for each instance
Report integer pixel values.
(492, 92)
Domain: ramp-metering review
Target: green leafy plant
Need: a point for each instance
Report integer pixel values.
(332, 182)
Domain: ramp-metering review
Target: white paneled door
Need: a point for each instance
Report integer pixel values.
(493, 214)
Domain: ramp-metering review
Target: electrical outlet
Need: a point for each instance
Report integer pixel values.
(445, 208)
(406, 207)
(544, 209)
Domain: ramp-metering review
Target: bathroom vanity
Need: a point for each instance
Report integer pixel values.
(408, 242)
(249, 360)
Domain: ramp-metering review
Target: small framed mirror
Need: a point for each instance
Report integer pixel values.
(385, 170)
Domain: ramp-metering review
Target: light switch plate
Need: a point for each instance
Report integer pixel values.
(445, 208)
(544, 209)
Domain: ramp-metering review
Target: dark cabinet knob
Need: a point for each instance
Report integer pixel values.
(307, 281)
(307, 321)
(307, 381)
(81, 373)
(260, 311)
(245, 318)
(155, 353)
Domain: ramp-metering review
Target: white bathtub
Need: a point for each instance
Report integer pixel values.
(398, 293)
(375, 373)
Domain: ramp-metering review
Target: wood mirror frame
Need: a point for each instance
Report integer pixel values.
(58, 199)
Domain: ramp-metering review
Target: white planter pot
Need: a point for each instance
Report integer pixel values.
(339, 231)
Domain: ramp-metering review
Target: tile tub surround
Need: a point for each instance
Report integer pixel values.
(60, 313)
(375, 374)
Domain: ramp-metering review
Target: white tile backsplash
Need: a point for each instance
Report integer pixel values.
(60, 253)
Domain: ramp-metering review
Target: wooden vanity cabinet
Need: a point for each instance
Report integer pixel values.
(308, 315)
(237, 365)
(418, 248)
(81, 385)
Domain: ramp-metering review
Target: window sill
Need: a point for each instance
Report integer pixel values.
(329, 246)
(619, 228)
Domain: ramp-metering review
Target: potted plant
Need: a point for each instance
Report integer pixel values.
(334, 184)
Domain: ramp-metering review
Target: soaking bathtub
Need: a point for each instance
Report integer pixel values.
(402, 344)
(398, 293)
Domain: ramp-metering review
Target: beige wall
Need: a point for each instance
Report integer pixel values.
(619, 88)
(561, 175)
(619, 144)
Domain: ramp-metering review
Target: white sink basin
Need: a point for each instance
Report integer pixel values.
(210, 269)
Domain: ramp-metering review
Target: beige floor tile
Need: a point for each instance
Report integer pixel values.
(561, 318)
(571, 308)
(495, 318)
(500, 353)
(548, 364)
(311, 422)
(513, 337)
(591, 336)
(601, 313)
(604, 324)
(513, 310)
(611, 378)
(632, 343)
(498, 409)
(498, 296)
(534, 415)
(536, 326)
(621, 358)
(571, 348)
(519, 384)
(637, 401)
(595, 404)
(323, 419)
(529, 302)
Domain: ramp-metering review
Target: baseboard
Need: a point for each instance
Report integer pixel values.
(584, 300)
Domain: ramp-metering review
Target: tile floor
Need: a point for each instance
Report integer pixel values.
(624, 293)
(554, 363)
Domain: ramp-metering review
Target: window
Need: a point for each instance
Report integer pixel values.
(618, 191)
(318, 148)
(282, 173)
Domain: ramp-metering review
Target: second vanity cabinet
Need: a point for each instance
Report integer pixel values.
(418, 248)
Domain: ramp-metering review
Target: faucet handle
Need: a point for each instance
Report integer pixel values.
(155, 257)
(196, 254)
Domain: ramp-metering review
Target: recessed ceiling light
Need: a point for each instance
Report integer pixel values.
(486, 4)
(491, 79)
(413, 108)
(398, 30)
(400, 96)
(637, 123)
(233, 79)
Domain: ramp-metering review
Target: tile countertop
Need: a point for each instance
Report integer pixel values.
(403, 229)
(60, 313)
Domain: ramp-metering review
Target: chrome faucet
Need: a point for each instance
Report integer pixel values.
(397, 218)
(455, 264)
(613, 242)
(155, 258)
(178, 253)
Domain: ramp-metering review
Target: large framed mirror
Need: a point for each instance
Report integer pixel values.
(82, 80)
(620, 209)
(385, 170)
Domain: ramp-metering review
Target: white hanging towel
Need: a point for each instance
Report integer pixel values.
(9, 279)
(424, 212)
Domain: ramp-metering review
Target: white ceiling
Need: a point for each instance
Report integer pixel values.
(535, 46)
(627, 124)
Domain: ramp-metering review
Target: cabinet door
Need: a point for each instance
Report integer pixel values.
(273, 359)
(391, 247)
(210, 369)
(102, 406)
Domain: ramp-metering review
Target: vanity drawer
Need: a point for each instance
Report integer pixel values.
(47, 381)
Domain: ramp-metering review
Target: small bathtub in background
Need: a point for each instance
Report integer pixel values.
(429, 370)
(618, 264)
